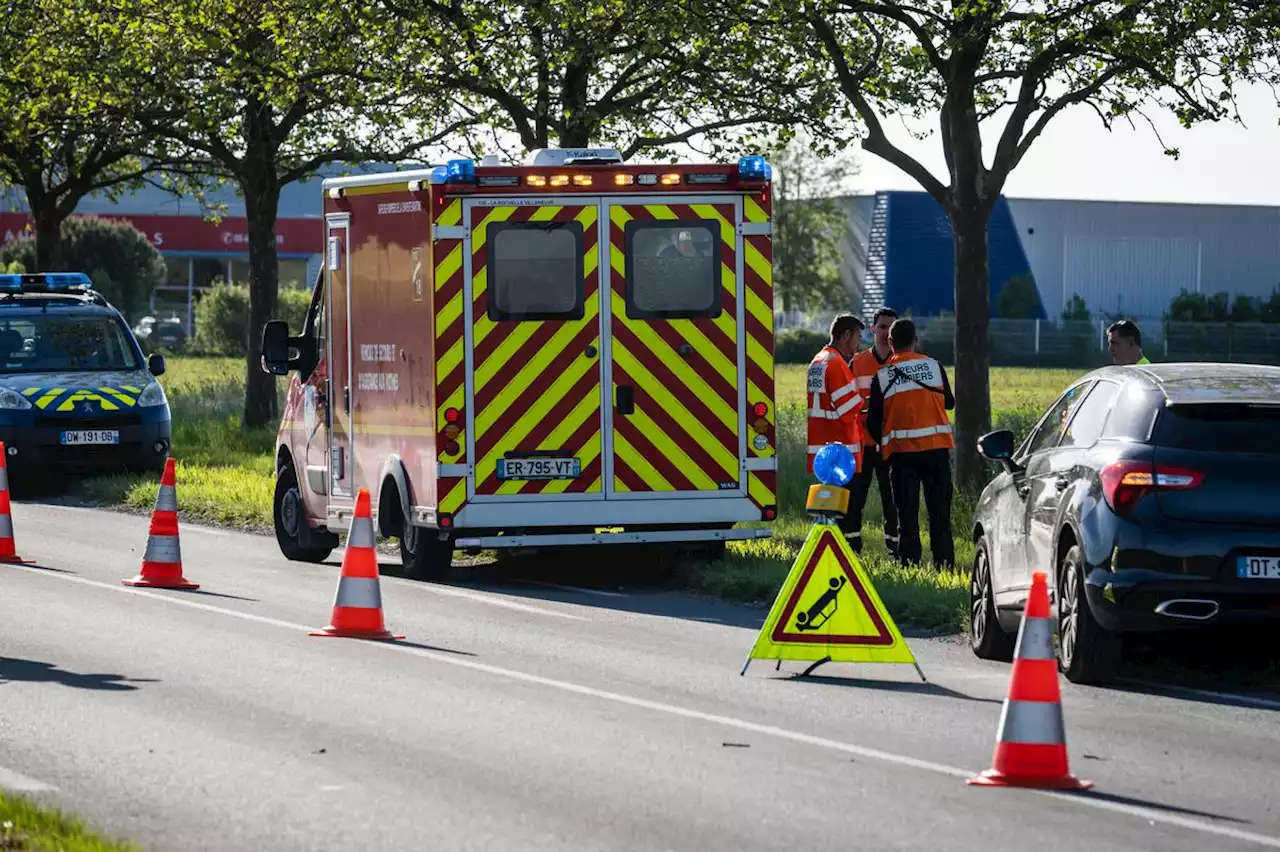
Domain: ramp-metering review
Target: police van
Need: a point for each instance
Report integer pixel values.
(77, 395)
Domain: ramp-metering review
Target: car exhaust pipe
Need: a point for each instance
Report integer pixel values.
(1189, 609)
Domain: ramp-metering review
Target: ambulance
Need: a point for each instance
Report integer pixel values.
(570, 351)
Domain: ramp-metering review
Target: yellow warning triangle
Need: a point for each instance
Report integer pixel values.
(829, 611)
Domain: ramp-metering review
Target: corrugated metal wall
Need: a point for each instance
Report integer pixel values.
(1133, 258)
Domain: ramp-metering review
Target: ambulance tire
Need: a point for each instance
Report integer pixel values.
(424, 556)
(297, 543)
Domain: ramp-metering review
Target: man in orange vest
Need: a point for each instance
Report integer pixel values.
(835, 406)
(865, 365)
(910, 398)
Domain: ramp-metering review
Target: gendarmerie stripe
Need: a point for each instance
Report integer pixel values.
(1032, 723)
(359, 593)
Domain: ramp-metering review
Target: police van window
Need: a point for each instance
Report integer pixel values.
(535, 271)
(673, 269)
(50, 343)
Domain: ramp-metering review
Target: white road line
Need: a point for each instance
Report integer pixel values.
(183, 526)
(480, 597)
(1251, 700)
(579, 589)
(16, 782)
(1152, 815)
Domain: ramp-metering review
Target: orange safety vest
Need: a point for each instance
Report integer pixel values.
(835, 406)
(915, 417)
(864, 368)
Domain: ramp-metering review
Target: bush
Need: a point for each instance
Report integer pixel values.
(124, 267)
(798, 346)
(222, 317)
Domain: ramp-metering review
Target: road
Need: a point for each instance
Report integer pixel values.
(532, 717)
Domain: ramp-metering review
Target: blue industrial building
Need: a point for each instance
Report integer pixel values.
(1120, 258)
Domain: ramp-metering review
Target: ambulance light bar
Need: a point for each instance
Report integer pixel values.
(754, 167)
(45, 282)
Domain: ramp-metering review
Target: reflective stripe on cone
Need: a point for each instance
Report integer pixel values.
(357, 604)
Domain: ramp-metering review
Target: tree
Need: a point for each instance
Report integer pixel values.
(261, 93)
(67, 130)
(124, 267)
(809, 223)
(639, 76)
(969, 62)
(1019, 298)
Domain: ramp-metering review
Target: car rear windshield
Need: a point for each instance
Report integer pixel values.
(1239, 428)
(47, 343)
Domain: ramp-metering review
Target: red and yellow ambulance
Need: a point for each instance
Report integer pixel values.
(571, 351)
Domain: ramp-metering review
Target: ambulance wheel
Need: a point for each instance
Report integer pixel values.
(424, 556)
(297, 543)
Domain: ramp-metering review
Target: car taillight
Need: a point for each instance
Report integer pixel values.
(1124, 483)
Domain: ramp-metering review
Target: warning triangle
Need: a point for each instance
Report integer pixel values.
(828, 609)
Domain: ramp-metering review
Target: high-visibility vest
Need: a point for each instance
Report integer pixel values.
(835, 406)
(915, 414)
(864, 368)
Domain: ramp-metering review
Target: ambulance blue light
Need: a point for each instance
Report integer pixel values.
(439, 175)
(461, 171)
(754, 167)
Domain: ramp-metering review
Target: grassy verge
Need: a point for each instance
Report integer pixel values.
(25, 826)
(225, 477)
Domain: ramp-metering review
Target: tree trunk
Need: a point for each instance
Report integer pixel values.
(972, 358)
(48, 223)
(261, 199)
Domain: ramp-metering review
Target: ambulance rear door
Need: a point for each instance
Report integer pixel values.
(533, 359)
(676, 348)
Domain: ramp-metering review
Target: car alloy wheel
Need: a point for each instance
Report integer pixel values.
(1068, 612)
(980, 597)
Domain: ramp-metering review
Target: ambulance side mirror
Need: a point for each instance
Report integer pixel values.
(275, 348)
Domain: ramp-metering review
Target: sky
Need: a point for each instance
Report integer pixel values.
(1077, 158)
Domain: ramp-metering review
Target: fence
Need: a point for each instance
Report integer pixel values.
(1045, 343)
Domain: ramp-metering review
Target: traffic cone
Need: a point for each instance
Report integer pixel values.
(357, 607)
(162, 562)
(8, 550)
(1031, 746)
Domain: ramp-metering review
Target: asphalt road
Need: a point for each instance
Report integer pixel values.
(529, 717)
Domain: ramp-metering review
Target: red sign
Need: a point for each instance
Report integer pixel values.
(194, 234)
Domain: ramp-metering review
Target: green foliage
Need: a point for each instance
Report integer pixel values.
(222, 317)
(809, 224)
(1076, 310)
(798, 345)
(1221, 308)
(1019, 298)
(124, 267)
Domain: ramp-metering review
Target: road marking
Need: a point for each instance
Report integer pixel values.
(100, 512)
(16, 782)
(480, 597)
(1251, 700)
(579, 589)
(1153, 815)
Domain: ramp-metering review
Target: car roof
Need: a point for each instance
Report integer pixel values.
(1207, 382)
(25, 304)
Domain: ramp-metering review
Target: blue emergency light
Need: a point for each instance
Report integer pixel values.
(44, 282)
(439, 175)
(835, 464)
(461, 171)
(754, 167)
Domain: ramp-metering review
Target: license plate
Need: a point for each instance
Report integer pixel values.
(1258, 567)
(91, 436)
(539, 468)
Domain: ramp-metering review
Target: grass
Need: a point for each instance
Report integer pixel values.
(25, 826)
(225, 477)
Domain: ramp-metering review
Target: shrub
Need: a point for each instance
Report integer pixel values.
(222, 317)
(798, 345)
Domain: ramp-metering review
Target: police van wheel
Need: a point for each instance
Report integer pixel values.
(290, 522)
(424, 556)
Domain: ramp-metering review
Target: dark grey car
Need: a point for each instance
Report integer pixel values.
(1150, 495)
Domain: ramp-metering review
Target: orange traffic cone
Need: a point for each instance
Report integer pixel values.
(8, 550)
(1031, 746)
(162, 562)
(357, 607)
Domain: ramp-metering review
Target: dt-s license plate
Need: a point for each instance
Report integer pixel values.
(91, 436)
(539, 468)
(1258, 567)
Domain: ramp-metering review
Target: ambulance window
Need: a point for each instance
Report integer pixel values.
(673, 269)
(535, 271)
